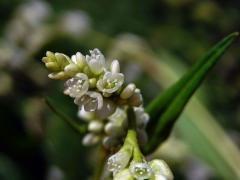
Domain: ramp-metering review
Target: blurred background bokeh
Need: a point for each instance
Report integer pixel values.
(156, 41)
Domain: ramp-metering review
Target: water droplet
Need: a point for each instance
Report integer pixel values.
(140, 170)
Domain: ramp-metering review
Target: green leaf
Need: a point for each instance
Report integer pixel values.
(196, 127)
(168, 106)
(79, 128)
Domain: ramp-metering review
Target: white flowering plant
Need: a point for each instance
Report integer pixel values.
(114, 112)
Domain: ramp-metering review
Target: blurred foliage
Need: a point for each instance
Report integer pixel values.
(36, 144)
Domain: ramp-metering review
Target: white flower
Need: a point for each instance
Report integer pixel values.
(90, 101)
(107, 109)
(118, 161)
(111, 82)
(96, 61)
(76, 86)
(124, 175)
(140, 170)
(161, 169)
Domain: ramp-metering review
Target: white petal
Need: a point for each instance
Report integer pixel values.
(160, 167)
(90, 101)
(76, 86)
(108, 108)
(95, 66)
(118, 161)
(123, 175)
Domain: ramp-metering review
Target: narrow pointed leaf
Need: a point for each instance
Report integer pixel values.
(170, 104)
(80, 129)
(159, 104)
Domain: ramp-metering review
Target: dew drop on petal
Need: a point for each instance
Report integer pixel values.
(140, 171)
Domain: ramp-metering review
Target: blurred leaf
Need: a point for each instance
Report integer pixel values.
(9, 170)
(168, 106)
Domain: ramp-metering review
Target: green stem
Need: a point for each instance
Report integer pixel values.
(131, 141)
(132, 136)
(100, 165)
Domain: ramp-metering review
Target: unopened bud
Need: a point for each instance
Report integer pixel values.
(128, 91)
(71, 69)
(90, 139)
(115, 67)
(109, 142)
(95, 126)
(60, 76)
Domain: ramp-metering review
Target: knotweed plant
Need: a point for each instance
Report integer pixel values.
(114, 111)
(104, 101)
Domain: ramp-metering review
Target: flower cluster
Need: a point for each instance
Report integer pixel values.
(99, 90)
(128, 163)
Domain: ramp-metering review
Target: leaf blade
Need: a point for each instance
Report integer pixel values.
(172, 103)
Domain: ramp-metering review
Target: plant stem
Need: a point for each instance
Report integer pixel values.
(101, 162)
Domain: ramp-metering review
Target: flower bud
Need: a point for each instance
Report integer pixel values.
(62, 60)
(95, 126)
(115, 67)
(71, 69)
(142, 117)
(110, 128)
(52, 66)
(96, 61)
(56, 62)
(109, 142)
(59, 76)
(90, 139)
(79, 60)
(128, 91)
